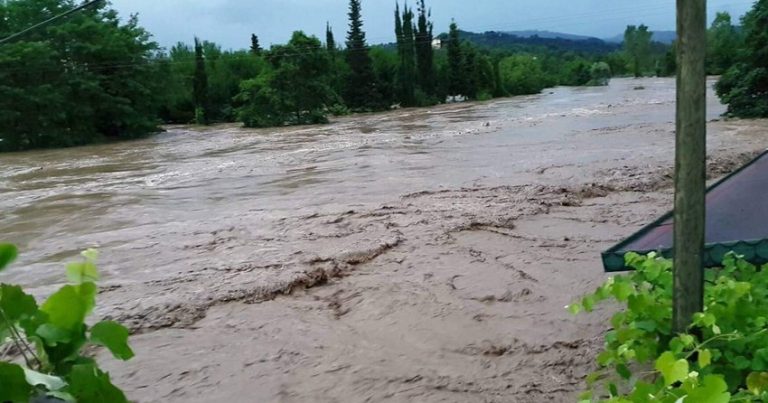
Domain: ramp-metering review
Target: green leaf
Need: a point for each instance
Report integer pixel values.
(614, 391)
(88, 384)
(113, 336)
(646, 325)
(712, 390)
(574, 308)
(90, 254)
(82, 272)
(53, 335)
(671, 369)
(623, 371)
(68, 307)
(705, 358)
(622, 291)
(8, 254)
(13, 385)
(15, 303)
(687, 340)
(51, 383)
(757, 382)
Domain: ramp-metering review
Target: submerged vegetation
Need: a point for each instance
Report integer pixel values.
(93, 78)
(722, 357)
(50, 340)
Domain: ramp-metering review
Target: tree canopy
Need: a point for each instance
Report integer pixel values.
(88, 78)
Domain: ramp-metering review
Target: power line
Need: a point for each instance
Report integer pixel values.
(50, 20)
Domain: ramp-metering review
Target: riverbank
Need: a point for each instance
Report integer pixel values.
(419, 255)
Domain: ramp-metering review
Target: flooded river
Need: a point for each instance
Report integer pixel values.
(448, 240)
(140, 202)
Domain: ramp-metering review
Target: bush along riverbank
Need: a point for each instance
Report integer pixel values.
(722, 357)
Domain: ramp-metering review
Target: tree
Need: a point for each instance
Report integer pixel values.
(200, 85)
(469, 70)
(361, 92)
(455, 77)
(84, 79)
(330, 42)
(522, 74)
(744, 87)
(255, 47)
(723, 44)
(294, 90)
(425, 58)
(637, 45)
(407, 51)
(600, 74)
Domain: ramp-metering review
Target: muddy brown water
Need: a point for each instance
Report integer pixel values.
(139, 201)
(447, 239)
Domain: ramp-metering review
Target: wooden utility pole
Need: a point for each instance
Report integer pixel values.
(690, 162)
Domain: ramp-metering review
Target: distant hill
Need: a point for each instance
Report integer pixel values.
(665, 37)
(549, 35)
(521, 40)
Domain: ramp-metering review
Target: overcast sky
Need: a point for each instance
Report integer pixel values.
(230, 22)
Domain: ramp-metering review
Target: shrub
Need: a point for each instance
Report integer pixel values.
(722, 356)
(50, 338)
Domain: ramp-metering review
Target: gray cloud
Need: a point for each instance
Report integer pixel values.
(230, 22)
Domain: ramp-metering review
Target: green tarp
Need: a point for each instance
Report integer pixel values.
(737, 220)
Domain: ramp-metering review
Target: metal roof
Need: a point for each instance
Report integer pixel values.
(737, 220)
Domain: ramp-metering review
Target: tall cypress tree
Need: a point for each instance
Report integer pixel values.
(398, 27)
(407, 68)
(361, 83)
(330, 42)
(200, 90)
(255, 47)
(424, 52)
(455, 81)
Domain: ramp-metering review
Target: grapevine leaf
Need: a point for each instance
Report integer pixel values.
(757, 382)
(712, 390)
(705, 358)
(8, 254)
(671, 369)
(114, 337)
(687, 340)
(574, 308)
(88, 384)
(13, 384)
(622, 291)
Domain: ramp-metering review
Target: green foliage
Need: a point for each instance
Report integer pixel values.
(722, 357)
(8, 254)
(600, 74)
(637, 45)
(361, 92)
(406, 49)
(425, 58)
(200, 87)
(85, 79)
(50, 339)
(455, 77)
(744, 87)
(723, 44)
(294, 90)
(522, 74)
